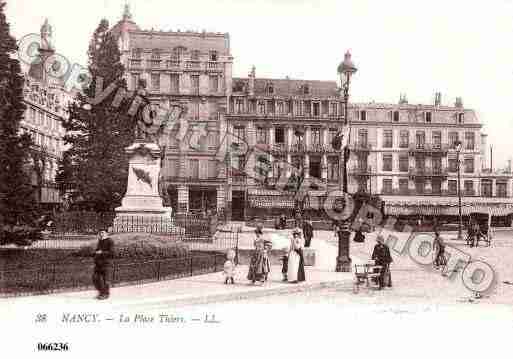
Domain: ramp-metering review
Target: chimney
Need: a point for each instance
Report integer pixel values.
(458, 103)
(251, 81)
(438, 99)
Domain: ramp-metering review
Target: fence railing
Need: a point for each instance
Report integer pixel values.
(57, 276)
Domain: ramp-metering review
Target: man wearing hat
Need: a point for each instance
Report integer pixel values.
(102, 263)
(381, 255)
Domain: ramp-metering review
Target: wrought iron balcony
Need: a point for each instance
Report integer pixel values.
(173, 63)
(427, 172)
(298, 147)
(154, 64)
(193, 65)
(213, 65)
(361, 171)
(316, 147)
(427, 148)
(361, 147)
(136, 63)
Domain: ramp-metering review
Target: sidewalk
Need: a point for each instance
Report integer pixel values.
(203, 289)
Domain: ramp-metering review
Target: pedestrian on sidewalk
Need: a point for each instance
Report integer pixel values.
(229, 267)
(102, 264)
(296, 263)
(381, 256)
(285, 264)
(258, 268)
(307, 232)
(439, 248)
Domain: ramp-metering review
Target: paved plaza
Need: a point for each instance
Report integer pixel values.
(412, 284)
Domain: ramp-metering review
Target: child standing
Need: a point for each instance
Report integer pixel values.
(229, 267)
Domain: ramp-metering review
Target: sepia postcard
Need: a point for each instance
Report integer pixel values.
(267, 178)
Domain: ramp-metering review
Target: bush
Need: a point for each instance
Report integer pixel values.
(141, 246)
(21, 236)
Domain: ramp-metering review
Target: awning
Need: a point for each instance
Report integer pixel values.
(404, 209)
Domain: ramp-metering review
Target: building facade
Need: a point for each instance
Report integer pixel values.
(46, 101)
(193, 69)
(284, 128)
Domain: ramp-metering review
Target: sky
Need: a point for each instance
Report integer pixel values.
(459, 48)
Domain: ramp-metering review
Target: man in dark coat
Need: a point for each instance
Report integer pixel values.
(381, 254)
(283, 222)
(307, 232)
(102, 264)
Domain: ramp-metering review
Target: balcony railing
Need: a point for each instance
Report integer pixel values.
(361, 171)
(414, 192)
(298, 147)
(361, 146)
(428, 147)
(135, 63)
(193, 64)
(213, 65)
(329, 148)
(430, 172)
(154, 64)
(316, 147)
(173, 63)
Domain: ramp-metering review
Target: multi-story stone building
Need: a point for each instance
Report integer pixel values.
(291, 123)
(47, 101)
(408, 154)
(194, 69)
(405, 153)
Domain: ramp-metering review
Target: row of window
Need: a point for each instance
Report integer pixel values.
(280, 166)
(283, 107)
(452, 187)
(279, 132)
(40, 119)
(195, 168)
(214, 83)
(177, 54)
(420, 163)
(42, 140)
(396, 116)
(420, 139)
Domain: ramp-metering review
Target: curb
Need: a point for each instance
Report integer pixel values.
(254, 294)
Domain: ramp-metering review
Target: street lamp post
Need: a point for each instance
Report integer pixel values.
(458, 144)
(345, 70)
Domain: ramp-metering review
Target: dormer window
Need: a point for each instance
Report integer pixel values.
(270, 89)
(461, 117)
(396, 116)
(212, 55)
(428, 117)
(306, 90)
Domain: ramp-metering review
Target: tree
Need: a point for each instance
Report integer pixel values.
(95, 165)
(17, 202)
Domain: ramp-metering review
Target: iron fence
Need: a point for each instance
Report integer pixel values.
(43, 278)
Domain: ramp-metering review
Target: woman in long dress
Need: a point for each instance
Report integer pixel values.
(258, 265)
(296, 263)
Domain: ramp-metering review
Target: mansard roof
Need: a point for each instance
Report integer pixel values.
(291, 87)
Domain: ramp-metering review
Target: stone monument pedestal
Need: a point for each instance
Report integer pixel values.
(142, 207)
